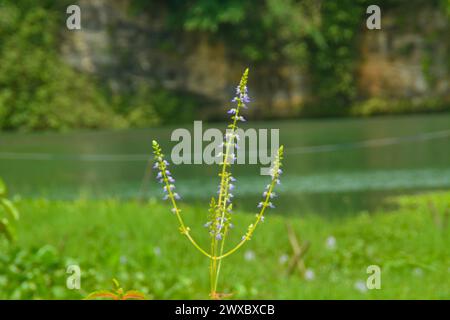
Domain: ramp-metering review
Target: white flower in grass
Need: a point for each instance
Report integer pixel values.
(309, 275)
(360, 286)
(283, 258)
(249, 255)
(330, 243)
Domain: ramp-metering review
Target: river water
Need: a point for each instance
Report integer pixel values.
(332, 167)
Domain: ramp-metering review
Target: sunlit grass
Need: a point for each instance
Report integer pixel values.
(136, 244)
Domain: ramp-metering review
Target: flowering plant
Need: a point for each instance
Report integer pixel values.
(221, 209)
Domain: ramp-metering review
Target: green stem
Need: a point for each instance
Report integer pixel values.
(184, 229)
(223, 192)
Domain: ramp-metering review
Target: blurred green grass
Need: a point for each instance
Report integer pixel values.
(139, 244)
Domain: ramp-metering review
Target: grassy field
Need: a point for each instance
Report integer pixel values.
(139, 244)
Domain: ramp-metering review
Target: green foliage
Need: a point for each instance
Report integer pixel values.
(34, 273)
(140, 247)
(9, 214)
(333, 63)
(39, 91)
(384, 106)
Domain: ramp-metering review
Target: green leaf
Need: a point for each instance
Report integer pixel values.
(3, 189)
(7, 230)
(10, 208)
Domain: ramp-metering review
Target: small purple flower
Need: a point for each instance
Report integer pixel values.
(156, 165)
(159, 175)
(218, 236)
(260, 204)
(170, 179)
(165, 197)
(232, 179)
(232, 111)
(171, 187)
(231, 186)
(206, 225)
(270, 204)
(262, 218)
(176, 196)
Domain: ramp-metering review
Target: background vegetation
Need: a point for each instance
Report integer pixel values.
(39, 91)
(140, 246)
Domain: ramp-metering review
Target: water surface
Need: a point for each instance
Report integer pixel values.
(332, 167)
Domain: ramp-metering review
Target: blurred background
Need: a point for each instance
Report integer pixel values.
(363, 113)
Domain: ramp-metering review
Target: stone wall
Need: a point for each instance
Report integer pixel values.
(132, 50)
